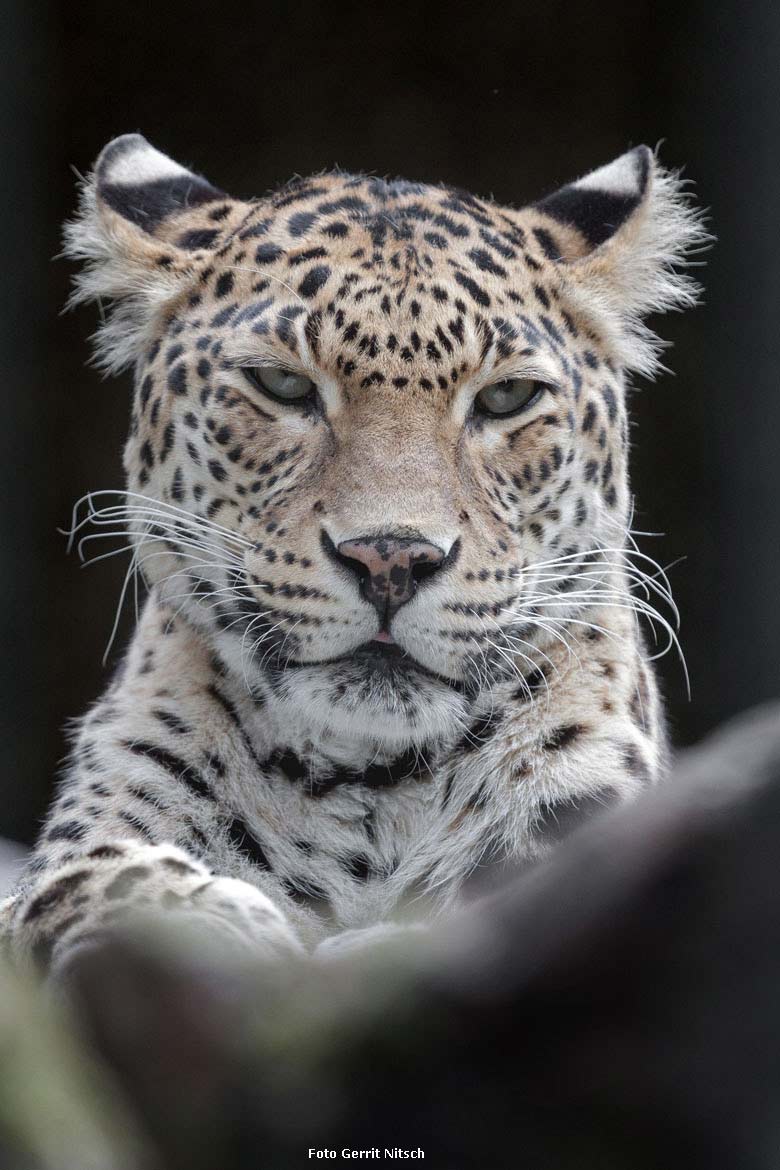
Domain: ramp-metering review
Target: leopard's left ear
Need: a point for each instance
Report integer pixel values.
(624, 232)
(142, 228)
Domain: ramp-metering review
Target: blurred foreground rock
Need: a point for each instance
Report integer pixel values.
(615, 1007)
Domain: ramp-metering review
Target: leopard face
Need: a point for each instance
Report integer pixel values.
(378, 449)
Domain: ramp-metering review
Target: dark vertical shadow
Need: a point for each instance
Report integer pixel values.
(27, 704)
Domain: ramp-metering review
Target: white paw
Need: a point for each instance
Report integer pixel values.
(152, 891)
(243, 915)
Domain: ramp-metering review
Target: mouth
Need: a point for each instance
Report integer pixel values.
(383, 649)
(383, 655)
(384, 637)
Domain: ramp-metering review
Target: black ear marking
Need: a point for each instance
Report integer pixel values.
(144, 186)
(601, 202)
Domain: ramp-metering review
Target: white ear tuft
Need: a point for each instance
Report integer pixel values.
(598, 205)
(131, 159)
(625, 176)
(118, 235)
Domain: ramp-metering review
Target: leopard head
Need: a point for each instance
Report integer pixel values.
(378, 448)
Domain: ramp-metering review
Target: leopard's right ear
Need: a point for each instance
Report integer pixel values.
(144, 187)
(139, 234)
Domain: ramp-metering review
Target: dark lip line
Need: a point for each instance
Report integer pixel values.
(455, 684)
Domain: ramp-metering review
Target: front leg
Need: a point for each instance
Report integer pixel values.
(72, 907)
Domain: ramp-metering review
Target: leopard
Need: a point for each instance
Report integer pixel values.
(393, 635)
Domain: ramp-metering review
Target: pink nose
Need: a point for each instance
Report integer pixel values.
(390, 569)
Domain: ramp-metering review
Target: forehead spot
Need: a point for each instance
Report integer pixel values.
(314, 279)
(200, 238)
(309, 254)
(485, 262)
(300, 223)
(224, 285)
(267, 253)
(475, 291)
(255, 229)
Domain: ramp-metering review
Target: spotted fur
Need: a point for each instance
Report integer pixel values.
(261, 756)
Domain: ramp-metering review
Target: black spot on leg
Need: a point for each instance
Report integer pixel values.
(182, 771)
(177, 866)
(229, 709)
(171, 721)
(67, 831)
(125, 881)
(359, 867)
(244, 841)
(44, 945)
(563, 736)
(105, 852)
(54, 894)
(289, 764)
(635, 762)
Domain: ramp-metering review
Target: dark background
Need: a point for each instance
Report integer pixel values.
(506, 99)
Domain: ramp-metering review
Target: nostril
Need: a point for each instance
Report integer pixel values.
(452, 555)
(348, 555)
(356, 566)
(421, 570)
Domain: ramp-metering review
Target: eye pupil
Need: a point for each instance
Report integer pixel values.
(279, 384)
(502, 399)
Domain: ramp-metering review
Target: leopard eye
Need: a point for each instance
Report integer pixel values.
(510, 397)
(280, 384)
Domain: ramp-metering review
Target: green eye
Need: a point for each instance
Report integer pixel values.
(505, 398)
(280, 384)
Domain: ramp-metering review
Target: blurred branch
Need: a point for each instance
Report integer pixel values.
(58, 1109)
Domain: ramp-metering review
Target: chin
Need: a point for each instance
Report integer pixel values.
(376, 696)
